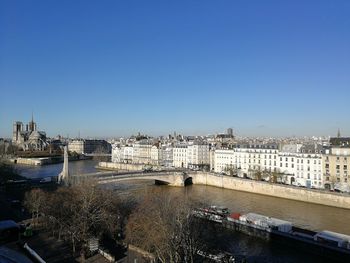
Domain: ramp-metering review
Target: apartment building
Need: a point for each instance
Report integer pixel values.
(87, 146)
(248, 158)
(168, 155)
(180, 155)
(336, 162)
(157, 155)
(122, 154)
(302, 165)
(198, 155)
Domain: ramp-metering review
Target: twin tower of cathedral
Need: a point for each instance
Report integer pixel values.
(29, 138)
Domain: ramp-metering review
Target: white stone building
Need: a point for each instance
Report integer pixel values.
(303, 166)
(180, 155)
(168, 155)
(88, 146)
(198, 155)
(116, 153)
(157, 155)
(142, 152)
(122, 154)
(247, 159)
(224, 160)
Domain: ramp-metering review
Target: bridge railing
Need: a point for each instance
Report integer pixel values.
(135, 175)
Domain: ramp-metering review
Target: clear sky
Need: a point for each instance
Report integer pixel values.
(112, 68)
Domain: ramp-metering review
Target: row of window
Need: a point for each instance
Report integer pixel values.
(345, 166)
(338, 159)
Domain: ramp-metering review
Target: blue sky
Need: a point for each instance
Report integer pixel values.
(113, 68)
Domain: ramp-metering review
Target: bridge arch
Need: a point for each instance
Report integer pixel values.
(188, 181)
(161, 182)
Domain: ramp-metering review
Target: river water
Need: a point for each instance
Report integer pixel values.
(305, 215)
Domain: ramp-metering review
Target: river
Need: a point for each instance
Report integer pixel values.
(305, 215)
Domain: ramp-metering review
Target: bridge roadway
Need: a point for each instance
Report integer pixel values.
(98, 154)
(173, 177)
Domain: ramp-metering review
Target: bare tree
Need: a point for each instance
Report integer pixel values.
(79, 213)
(276, 177)
(165, 226)
(100, 154)
(257, 174)
(231, 170)
(34, 201)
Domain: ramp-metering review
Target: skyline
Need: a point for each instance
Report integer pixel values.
(222, 131)
(114, 69)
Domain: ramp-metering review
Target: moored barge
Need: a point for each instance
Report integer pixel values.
(323, 243)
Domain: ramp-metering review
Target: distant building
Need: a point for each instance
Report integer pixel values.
(224, 139)
(144, 151)
(87, 146)
(29, 138)
(340, 141)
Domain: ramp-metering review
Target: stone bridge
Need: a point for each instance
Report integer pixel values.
(169, 178)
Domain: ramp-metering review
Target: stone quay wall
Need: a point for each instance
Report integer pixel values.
(31, 161)
(121, 166)
(275, 190)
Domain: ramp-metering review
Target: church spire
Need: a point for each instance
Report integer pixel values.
(338, 135)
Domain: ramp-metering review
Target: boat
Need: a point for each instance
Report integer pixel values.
(277, 229)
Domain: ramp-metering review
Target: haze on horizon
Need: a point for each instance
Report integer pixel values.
(115, 68)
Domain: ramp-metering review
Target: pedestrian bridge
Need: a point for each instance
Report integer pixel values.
(169, 178)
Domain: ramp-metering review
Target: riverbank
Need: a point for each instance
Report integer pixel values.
(46, 160)
(274, 190)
